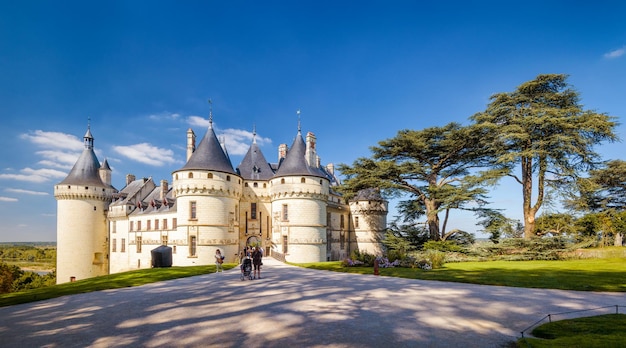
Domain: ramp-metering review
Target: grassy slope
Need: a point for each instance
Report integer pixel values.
(585, 275)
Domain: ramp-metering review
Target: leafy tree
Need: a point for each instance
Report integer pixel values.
(437, 168)
(542, 130)
(8, 275)
(497, 225)
(555, 224)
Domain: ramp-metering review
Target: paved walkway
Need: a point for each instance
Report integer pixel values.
(290, 307)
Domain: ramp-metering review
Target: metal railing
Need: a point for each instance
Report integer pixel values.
(568, 315)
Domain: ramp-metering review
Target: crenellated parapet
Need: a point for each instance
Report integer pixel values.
(76, 192)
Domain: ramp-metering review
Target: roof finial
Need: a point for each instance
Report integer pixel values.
(89, 122)
(210, 113)
(299, 127)
(254, 134)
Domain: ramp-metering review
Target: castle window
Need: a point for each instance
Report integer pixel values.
(264, 185)
(192, 210)
(285, 245)
(255, 185)
(302, 180)
(192, 245)
(113, 226)
(342, 241)
(246, 184)
(123, 245)
(165, 224)
(138, 225)
(253, 211)
(341, 222)
(174, 249)
(356, 222)
(148, 225)
(174, 223)
(156, 224)
(164, 239)
(285, 215)
(190, 175)
(320, 181)
(227, 177)
(86, 187)
(210, 176)
(132, 225)
(138, 244)
(113, 245)
(282, 181)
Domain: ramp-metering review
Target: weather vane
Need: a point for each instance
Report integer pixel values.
(210, 112)
(298, 113)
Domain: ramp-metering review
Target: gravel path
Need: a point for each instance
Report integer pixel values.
(291, 307)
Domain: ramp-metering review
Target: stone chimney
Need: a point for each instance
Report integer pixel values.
(191, 143)
(164, 189)
(330, 168)
(282, 151)
(129, 178)
(311, 153)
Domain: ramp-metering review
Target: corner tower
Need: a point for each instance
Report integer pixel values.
(82, 202)
(207, 191)
(299, 193)
(369, 218)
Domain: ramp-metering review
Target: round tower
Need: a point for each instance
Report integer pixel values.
(369, 218)
(82, 202)
(207, 193)
(299, 194)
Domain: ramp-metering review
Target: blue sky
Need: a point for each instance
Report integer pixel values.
(359, 71)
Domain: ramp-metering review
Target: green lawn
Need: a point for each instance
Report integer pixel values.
(586, 275)
(601, 331)
(112, 281)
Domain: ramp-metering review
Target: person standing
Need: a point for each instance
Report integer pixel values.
(257, 256)
(219, 260)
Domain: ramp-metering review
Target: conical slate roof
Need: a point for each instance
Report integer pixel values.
(85, 170)
(254, 166)
(295, 162)
(209, 155)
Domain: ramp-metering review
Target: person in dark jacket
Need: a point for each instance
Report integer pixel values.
(257, 256)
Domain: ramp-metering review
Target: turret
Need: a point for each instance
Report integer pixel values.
(299, 195)
(83, 198)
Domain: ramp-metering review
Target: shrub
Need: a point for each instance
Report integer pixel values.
(366, 258)
(442, 245)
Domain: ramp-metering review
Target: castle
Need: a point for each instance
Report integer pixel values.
(288, 208)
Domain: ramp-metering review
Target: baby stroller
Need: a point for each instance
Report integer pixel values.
(246, 269)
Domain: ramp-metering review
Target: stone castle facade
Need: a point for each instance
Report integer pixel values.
(288, 208)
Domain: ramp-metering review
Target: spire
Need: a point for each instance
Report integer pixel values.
(254, 134)
(88, 138)
(299, 126)
(210, 113)
(210, 154)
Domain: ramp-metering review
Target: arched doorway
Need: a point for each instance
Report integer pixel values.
(253, 241)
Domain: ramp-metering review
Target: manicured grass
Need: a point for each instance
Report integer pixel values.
(112, 281)
(591, 332)
(586, 275)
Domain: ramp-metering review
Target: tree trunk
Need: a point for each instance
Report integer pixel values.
(619, 239)
(432, 219)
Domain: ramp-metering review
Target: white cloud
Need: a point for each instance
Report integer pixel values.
(147, 154)
(7, 199)
(28, 192)
(34, 175)
(58, 159)
(54, 140)
(198, 121)
(164, 116)
(615, 53)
